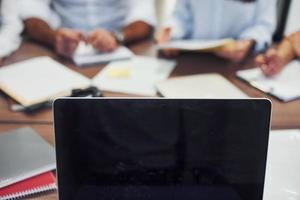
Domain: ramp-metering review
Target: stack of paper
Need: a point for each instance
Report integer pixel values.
(87, 55)
(196, 45)
(136, 76)
(38, 80)
(285, 86)
(199, 86)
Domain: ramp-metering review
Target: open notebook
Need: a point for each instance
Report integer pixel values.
(42, 79)
(196, 45)
(38, 80)
(87, 55)
(24, 154)
(285, 86)
(199, 86)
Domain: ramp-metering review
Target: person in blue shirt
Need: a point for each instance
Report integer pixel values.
(249, 22)
(104, 24)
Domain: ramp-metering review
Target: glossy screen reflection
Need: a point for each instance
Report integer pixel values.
(161, 149)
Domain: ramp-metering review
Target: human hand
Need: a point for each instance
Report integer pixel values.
(235, 51)
(66, 41)
(102, 40)
(163, 36)
(270, 63)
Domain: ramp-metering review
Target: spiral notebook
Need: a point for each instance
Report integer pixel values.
(24, 154)
(37, 184)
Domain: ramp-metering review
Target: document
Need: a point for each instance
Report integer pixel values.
(196, 45)
(284, 86)
(136, 76)
(200, 86)
(38, 80)
(87, 55)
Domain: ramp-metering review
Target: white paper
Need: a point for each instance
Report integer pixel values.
(200, 86)
(194, 45)
(285, 86)
(283, 165)
(86, 55)
(39, 79)
(145, 72)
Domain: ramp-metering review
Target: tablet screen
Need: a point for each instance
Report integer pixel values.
(160, 149)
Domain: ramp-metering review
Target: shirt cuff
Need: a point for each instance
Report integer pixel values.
(262, 37)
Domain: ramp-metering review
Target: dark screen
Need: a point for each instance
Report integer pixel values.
(159, 149)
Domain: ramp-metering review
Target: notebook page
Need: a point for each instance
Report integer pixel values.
(285, 86)
(137, 76)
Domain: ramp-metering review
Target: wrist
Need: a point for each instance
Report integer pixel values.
(119, 37)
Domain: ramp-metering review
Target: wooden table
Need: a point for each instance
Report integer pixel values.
(285, 115)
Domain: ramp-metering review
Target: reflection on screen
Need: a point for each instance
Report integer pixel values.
(161, 149)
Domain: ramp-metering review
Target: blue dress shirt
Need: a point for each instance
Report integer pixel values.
(86, 15)
(217, 19)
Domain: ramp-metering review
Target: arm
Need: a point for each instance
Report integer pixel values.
(263, 26)
(274, 61)
(39, 30)
(64, 41)
(295, 41)
(136, 31)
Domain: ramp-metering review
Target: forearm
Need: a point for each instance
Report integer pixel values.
(295, 42)
(285, 50)
(39, 31)
(137, 31)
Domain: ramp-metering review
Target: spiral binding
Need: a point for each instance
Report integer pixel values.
(26, 193)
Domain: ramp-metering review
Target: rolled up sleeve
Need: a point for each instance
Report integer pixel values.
(263, 26)
(40, 9)
(11, 28)
(142, 10)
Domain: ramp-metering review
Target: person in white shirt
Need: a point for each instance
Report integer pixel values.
(104, 24)
(249, 22)
(11, 27)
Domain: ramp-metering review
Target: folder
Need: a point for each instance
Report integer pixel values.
(37, 184)
(24, 154)
(196, 45)
(200, 86)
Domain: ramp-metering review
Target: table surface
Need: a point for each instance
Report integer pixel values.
(285, 115)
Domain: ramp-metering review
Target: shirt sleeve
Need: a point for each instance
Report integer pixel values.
(263, 26)
(181, 20)
(39, 9)
(11, 28)
(142, 10)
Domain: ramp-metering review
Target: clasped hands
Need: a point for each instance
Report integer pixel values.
(67, 40)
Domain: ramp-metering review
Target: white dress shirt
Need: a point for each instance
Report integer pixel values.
(11, 27)
(216, 19)
(86, 15)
